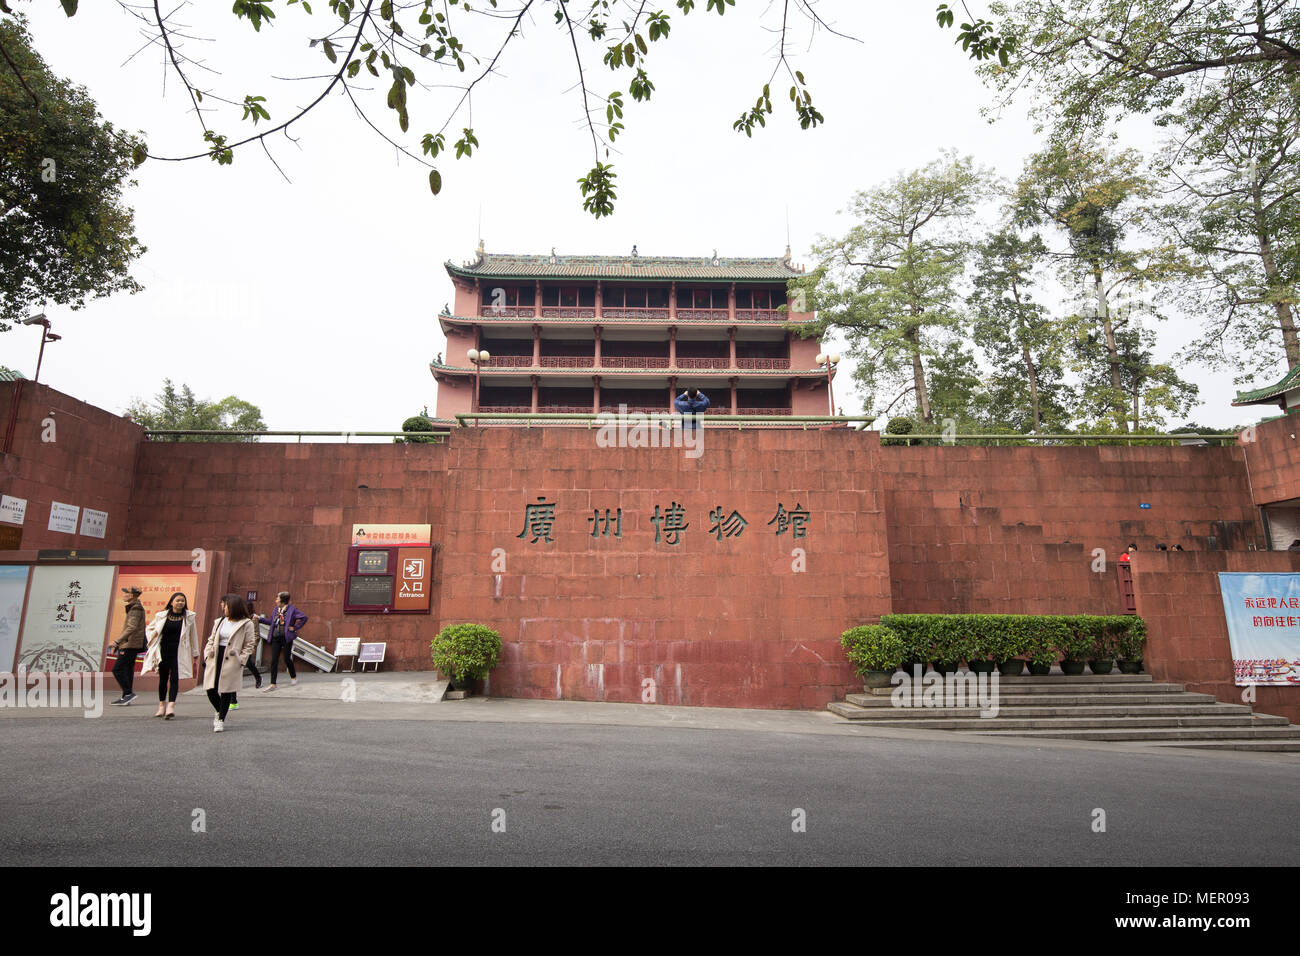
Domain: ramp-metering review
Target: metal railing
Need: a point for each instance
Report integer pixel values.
(437, 437)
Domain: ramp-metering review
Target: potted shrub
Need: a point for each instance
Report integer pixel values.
(875, 651)
(1076, 646)
(978, 647)
(1008, 643)
(1041, 645)
(464, 653)
(1102, 660)
(1129, 645)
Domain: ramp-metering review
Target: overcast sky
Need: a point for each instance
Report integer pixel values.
(317, 299)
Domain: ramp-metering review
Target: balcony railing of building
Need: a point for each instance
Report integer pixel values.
(635, 362)
(658, 314)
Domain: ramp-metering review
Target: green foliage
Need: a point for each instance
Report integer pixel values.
(181, 410)
(65, 234)
(898, 425)
(416, 423)
(401, 37)
(873, 647)
(466, 652)
(950, 638)
(890, 284)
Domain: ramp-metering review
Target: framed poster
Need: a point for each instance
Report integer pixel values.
(67, 610)
(13, 591)
(1263, 615)
(157, 583)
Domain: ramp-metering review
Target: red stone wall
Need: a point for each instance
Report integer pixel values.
(89, 463)
(285, 513)
(1187, 634)
(1012, 530)
(716, 623)
(1273, 459)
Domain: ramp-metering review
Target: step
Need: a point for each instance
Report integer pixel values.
(1273, 746)
(938, 720)
(1063, 700)
(1151, 734)
(853, 712)
(1005, 686)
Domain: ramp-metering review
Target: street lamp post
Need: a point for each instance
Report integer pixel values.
(479, 358)
(830, 361)
(46, 336)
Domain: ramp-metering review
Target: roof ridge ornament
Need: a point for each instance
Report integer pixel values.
(716, 261)
(554, 259)
(480, 251)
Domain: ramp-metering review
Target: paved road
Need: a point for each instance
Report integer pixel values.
(287, 785)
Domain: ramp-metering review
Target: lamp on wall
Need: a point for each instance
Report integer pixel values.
(479, 357)
(830, 361)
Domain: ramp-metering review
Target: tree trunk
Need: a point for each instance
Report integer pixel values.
(1029, 363)
(1285, 317)
(918, 374)
(1112, 350)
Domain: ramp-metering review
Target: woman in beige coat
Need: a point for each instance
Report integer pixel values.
(173, 646)
(229, 646)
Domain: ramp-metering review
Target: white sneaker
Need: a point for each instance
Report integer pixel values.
(293, 682)
(218, 726)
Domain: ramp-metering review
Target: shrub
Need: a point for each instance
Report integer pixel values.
(417, 423)
(873, 647)
(898, 425)
(466, 652)
(1131, 638)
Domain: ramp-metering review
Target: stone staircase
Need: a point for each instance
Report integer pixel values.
(1131, 708)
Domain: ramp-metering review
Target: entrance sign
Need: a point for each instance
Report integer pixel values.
(413, 567)
(1263, 615)
(391, 535)
(63, 517)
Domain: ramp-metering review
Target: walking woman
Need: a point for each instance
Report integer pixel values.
(227, 651)
(173, 646)
(285, 623)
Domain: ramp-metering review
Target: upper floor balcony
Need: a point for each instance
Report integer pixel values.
(666, 303)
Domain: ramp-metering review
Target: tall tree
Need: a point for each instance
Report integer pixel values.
(1090, 61)
(1235, 164)
(1024, 344)
(891, 284)
(65, 234)
(1148, 391)
(1097, 201)
(182, 410)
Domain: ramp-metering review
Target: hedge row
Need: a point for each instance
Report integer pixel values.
(950, 639)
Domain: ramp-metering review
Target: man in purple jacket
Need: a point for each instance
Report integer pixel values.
(285, 622)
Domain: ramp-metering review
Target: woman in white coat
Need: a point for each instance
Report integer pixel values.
(173, 638)
(229, 646)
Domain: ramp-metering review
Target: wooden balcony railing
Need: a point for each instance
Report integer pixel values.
(634, 361)
(770, 363)
(619, 312)
(568, 361)
(510, 361)
(703, 315)
(568, 312)
(751, 410)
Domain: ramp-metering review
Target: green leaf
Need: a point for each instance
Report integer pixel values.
(435, 181)
(139, 154)
(69, 7)
(329, 51)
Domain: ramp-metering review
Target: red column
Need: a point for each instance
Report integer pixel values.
(672, 302)
(537, 301)
(731, 335)
(672, 347)
(595, 394)
(731, 302)
(600, 305)
(537, 346)
(597, 330)
(733, 394)
(535, 380)
(672, 389)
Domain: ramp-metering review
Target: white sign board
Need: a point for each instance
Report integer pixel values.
(12, 510)
(347, 646)
(63, 517)
(94, 523)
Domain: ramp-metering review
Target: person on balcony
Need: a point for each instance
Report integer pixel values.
(690, 404)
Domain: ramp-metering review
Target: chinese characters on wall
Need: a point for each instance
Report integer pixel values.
(670, 523)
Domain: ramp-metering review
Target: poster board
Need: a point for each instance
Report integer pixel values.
(67, 611)
(13, 593)
(157, 583)
(1263, 616)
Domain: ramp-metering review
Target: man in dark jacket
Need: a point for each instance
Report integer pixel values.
(690, 403)
(129, 644)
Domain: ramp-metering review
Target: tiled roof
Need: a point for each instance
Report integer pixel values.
(626, 267)
(10, 375)
(1268, 394)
